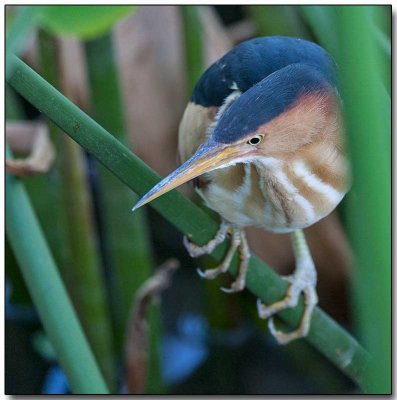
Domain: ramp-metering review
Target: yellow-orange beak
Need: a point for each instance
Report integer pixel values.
(207, 158)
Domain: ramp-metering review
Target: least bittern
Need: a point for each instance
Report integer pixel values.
(263, 136)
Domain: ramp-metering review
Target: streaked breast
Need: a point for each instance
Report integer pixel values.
(278, 195)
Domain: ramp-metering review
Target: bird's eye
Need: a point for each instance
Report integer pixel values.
(255, 140)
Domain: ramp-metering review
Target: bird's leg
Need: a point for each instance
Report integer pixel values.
(304, 281)
(238, 240)
(239, 283)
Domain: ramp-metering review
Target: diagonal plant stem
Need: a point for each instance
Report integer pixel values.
(325, 335)
(48, 292)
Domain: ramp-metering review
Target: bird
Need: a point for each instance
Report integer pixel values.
(262, 138)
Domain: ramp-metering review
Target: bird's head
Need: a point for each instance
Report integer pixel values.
(284, 112)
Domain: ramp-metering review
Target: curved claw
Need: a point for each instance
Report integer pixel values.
(286, 337)
(228, 290)
(234, 288)
(200, 273)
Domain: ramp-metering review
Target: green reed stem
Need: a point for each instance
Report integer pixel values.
(368, 117)
(48, 292)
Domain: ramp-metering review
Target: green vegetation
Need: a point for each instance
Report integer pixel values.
(82, 272)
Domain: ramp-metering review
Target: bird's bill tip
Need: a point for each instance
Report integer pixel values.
(148, 197)
(137, 205)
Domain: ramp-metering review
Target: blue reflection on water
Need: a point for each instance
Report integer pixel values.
(55, 381)
(182, 353)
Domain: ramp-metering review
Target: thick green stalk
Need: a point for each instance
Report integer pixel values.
(127, 236)
(368, 122)
(48, 293)
(326, 335)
